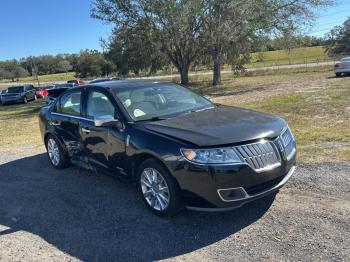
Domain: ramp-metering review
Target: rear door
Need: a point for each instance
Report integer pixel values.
(65, 119)
(105, 146)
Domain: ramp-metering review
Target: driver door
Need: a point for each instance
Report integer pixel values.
(104, 145)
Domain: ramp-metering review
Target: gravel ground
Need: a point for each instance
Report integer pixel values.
(70, 215)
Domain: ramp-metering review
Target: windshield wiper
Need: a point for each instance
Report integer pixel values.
(201, 109)
(155, 118)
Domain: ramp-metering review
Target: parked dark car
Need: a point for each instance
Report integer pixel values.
(99, 80)
(52, 93)
(19, 94)
(178, 148)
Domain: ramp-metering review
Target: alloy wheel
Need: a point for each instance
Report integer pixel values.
(53, 151)
(155, 189)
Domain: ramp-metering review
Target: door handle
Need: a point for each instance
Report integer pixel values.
(54, 123)
(85, 130)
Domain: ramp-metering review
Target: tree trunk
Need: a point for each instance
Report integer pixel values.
(184, 75)
(217, 67)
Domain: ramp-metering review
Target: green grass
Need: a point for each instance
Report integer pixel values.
(281, 57)
(19, 125)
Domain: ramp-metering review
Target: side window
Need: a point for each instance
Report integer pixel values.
(98, 104)
(71, 103)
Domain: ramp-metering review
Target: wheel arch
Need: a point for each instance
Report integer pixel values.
(139, 158)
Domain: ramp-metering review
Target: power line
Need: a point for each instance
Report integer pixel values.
(343, 11)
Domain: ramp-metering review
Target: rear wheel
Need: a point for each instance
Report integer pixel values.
(57, 156)
(337, 74)
(158, 189)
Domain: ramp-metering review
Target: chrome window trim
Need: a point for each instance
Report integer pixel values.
(72, 116)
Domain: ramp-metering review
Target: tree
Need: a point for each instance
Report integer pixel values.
(338, 39)
(92, 63)
(135, 49)
(64, 66)
(11, 69)
(231, 26)
(176, 26)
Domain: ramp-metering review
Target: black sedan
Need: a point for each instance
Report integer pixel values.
(178, 148)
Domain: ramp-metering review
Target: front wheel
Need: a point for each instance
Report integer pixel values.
(25, 100)
(158, 189)
(338, 74)
(58, 158)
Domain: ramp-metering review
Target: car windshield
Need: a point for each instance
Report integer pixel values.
(347, 59)
(160, 101)
(15, 89)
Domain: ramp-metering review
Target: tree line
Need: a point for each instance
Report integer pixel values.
(88, 63)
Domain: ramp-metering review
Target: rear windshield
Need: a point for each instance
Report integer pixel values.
(15, 89)
(72, 81)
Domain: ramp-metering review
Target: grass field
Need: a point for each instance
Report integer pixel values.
(43, 79)
(315, 104)
(297, 56)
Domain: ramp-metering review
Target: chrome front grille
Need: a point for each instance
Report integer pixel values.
(288, 146)
(260, 156)
(286, 137)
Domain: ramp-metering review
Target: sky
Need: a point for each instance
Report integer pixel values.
(38, 27)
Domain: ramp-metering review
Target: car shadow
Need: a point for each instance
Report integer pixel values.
(98, 218)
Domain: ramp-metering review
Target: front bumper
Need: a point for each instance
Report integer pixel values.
(216, 188)
(5, 100)
(342, 70)
(241, 196)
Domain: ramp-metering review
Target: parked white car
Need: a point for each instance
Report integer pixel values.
(342, 67)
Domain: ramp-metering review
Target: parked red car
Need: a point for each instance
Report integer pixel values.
(40, 91)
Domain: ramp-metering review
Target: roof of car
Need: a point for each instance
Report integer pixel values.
(129, 83)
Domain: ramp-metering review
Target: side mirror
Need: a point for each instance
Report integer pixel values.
(108, 120)
(207, 97)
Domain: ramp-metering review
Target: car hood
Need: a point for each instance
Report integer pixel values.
(219, 126)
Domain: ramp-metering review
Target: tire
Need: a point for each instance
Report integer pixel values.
(25, 100)
(153, 192)
(53, 147)
(337, 74)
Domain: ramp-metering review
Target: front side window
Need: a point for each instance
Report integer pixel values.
(71, 103)
(98, 104)
(159, 101)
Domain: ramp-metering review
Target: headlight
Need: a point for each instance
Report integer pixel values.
(211, 156)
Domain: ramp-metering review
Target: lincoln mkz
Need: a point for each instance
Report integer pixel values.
(179, 149)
